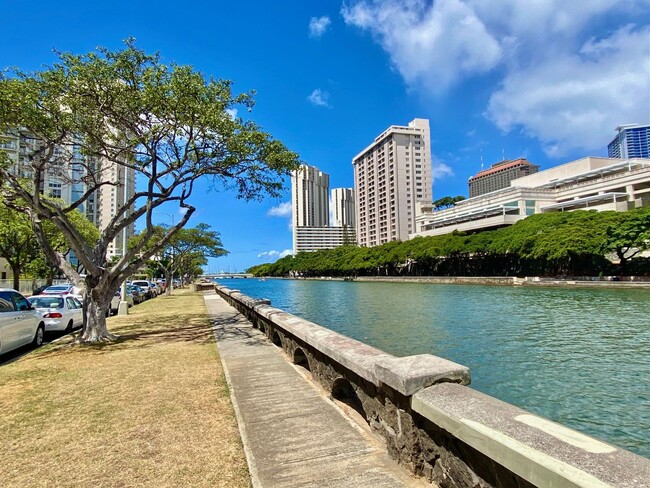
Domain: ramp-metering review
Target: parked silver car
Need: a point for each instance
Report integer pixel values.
(20, 323)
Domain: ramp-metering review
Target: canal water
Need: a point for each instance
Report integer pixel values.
(580, 357)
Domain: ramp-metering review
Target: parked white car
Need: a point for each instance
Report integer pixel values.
(20, 324)
(59, 312)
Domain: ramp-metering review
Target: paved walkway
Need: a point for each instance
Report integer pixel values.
(292, 434)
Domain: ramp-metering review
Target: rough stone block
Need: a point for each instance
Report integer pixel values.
(410, 374)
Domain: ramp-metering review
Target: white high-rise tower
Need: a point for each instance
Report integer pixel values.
(390, 175)
(310, 199)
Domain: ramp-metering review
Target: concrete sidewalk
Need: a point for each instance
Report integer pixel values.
(293, 435)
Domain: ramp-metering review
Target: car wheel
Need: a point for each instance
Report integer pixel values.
(68, 329)
(38, 337)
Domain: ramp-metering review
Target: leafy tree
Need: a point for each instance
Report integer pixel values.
(17, 242)
(628, 235)
(126, 110)
(562, 243)
(447, 202)
(19, 246)
(187, 249)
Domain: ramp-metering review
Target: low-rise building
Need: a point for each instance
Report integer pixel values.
(318, 238)
(586, 184)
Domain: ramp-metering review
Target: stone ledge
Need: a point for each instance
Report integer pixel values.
(405, 375)
(538, 450)
(413, 373)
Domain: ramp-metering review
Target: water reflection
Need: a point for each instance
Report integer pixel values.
(577, 356)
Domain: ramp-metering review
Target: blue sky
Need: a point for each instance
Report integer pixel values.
(548, 80)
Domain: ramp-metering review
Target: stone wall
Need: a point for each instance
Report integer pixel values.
(432, 423)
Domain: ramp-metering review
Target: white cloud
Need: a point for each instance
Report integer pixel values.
(432, 45)
(319, 98)
(439, 170)
(232, 112)
(318, 26)
(282, 210)
(555, 76)
(274, 254)
(575, 101)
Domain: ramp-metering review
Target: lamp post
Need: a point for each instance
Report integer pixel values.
(123, 307)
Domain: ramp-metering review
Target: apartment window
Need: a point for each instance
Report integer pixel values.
(54, 190)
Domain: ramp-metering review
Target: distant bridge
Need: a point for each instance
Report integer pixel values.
(227, 275)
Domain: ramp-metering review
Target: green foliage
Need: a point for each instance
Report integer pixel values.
(19, 246)
(628, 234)
(565, 243)
(185, 252)
(446, 202)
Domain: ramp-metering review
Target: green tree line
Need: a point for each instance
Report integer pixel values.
(582, 243)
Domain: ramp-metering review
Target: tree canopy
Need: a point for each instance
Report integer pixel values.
(553, 244)
(186, 251)
(447, 202)
(92, 118)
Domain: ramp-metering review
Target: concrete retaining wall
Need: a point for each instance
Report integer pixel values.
(435, 425)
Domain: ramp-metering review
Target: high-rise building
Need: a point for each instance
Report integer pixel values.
(390, 175)
(632, 141)
(67, 182)
(310, 200)
(343, 207)
(499, 176)
(310, 191)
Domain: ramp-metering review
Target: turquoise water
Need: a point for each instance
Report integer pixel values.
(580, 357)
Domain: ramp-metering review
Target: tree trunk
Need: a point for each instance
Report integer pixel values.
(170, 283)
(15, 270)
(95, 324)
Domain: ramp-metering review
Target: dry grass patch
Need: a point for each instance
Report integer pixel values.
(150, 410)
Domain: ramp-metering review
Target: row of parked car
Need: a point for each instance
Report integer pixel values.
(57, 308)
(137, 291)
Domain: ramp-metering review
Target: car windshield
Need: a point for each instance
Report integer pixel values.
(46, 302)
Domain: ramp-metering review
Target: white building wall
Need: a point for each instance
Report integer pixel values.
(343, 207)
(316, 238)
(586, 184)
(390, 176)
(309, 199)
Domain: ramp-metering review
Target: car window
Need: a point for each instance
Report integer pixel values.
(70, 302)
(57, 289)
(6, 305)
(77, 302)
(46, 302)
(20, 301)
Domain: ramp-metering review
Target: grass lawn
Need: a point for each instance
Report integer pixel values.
(150, 410)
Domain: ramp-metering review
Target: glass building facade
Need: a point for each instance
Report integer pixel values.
(632, 141)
